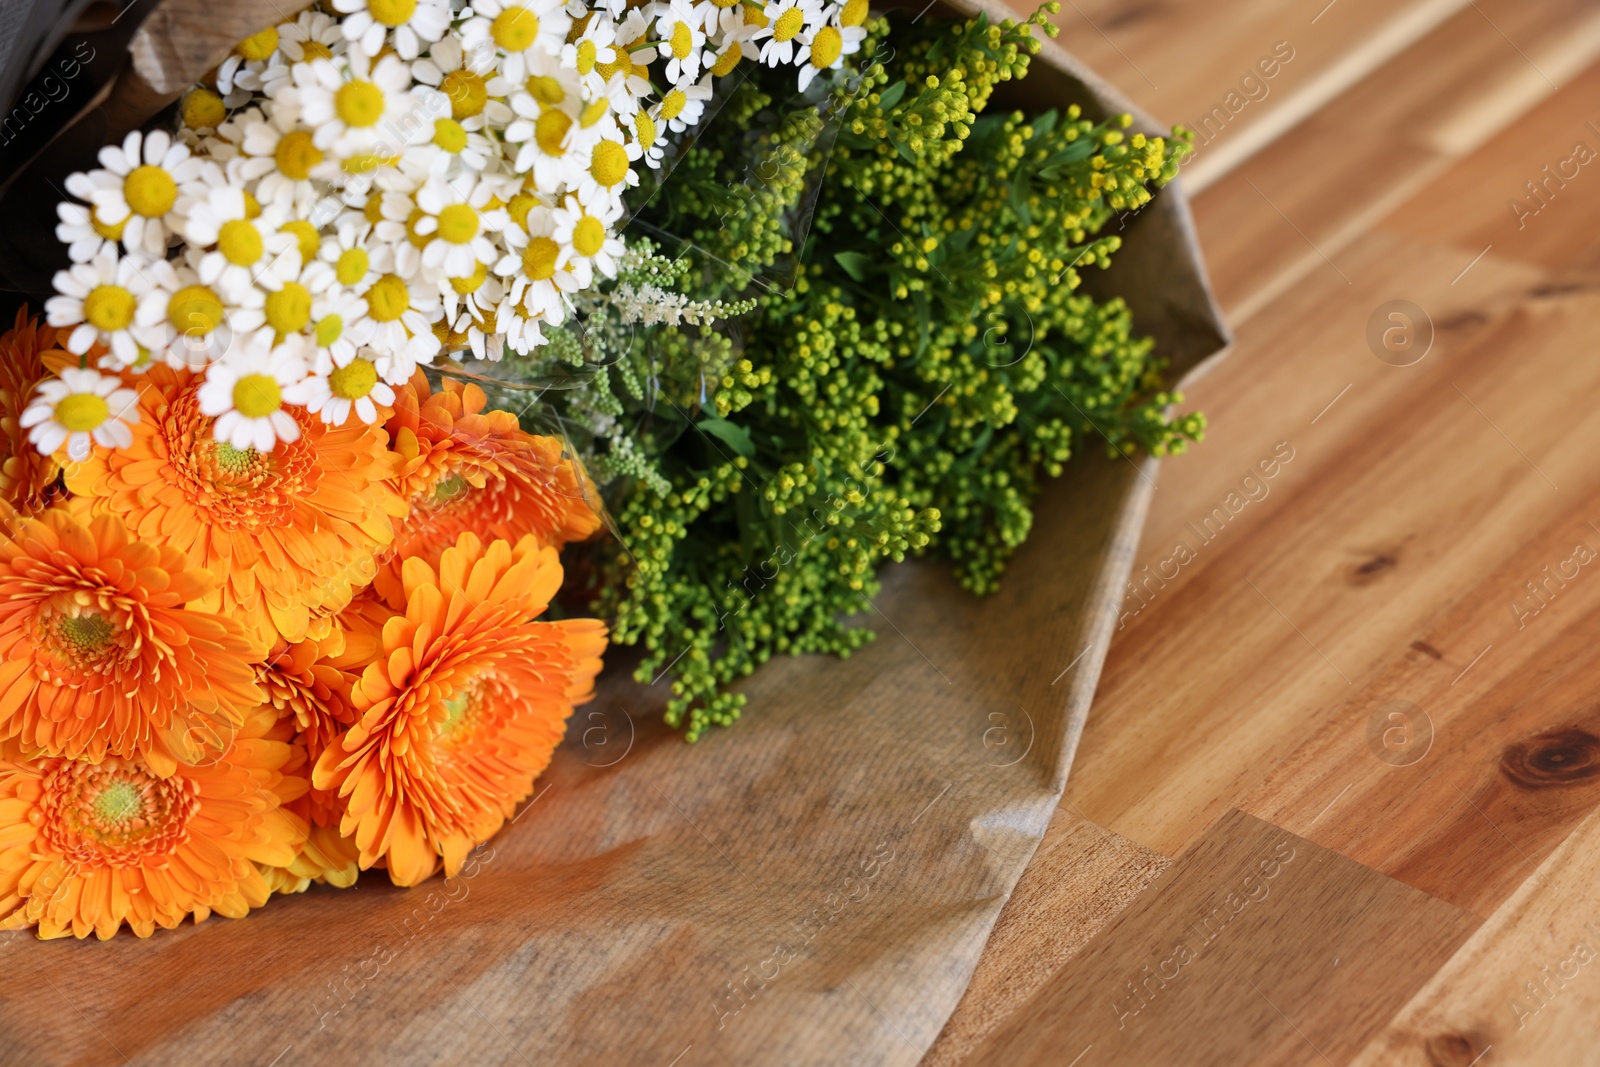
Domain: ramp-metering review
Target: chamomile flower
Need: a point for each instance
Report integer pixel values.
(312, 35)
(347, 250)
(256, 51)
(454, 150)
(107, 301)
(683, 107)
(407, 23)
(519, 29)
(246, 391)
(542, 133)
(456, 218)
(248, 249)
(595, 46)
(606, 169)
(478, 293)
(138, 188)
(540, 282)
(351, 389)
(647, 135)
(819, 51)
(786, 20)
(681, 38)
(735, 41)
(583, 229)
(469, 80)
(282, 310)
(479, 329)
(522, 327)
(402, 312)
(85, 236)
(80, 409)
(369, 111)
(339, 327)
(635, 52)
(196, 323)
(279, 151)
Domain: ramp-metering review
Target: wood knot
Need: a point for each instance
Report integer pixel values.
(1373, 569)
(1563, 756)
(1453, 1050)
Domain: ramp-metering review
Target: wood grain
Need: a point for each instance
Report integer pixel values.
(1255, 946)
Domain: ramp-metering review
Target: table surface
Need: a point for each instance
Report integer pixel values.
(1336, 799)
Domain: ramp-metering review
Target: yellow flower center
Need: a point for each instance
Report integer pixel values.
(588, 236)
(514, 29)
(194, 309)
(310, 50)
(109, 308)
(755, 16)
(645, 129)
(239, 242)
(289, 309)
(448, 488)
(114, 813)
(392, 12)
(449, 135)
(550, 130)
(727, 61)
(458, 224)
(354, 380)
(388, 298)
(118, 802)
(539, 259)
(854, 13)
(545, 89)
(594, 112)
(373, 209)
(110, 233)
(305, 236)
(252, 206)
(82, 412)
(608, 165)
(724, 4)
(359, 104)
(149, 191)
(468, 93)
(203, 109)
(296, 155)
(826, 47)
(418, 240)
(672, 104)
(329, 330)
(682, 40)
(587, 53)
(234, 460)
(255, 396)
(86, 633)
(259, 46)
(473, 282)
(520, 205)
(789, 23)
(352, 266)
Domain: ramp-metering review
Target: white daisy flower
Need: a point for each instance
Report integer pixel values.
(407, 23)
(282, 310)
(196, 319)
(454, 151)
(246, 391)
(606, 169)
(348, 252)
(279, 151)
(540, 279)
(138, 188)
(627, 78)
(684, 106)
(483, 337)
(371, 111)
(85, 236)
(249, 250)
(352, 388)
(583, 228)
(80, 409)
(735, 40)
(258, 50)
(339, 327)
(519, 29)
(312, 35)
(402, 313)
(106, 301)
(822, 50)
(457, 218)
(468, 79)
(647, 135)
(543, 132)
(681, 38)
(597, 45)
(786, 19)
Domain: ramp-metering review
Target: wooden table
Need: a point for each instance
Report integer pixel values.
(1336, 799)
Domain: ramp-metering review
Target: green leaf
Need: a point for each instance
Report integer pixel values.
(854, 263)
(905, 152)
(735, 436)
(891, 96)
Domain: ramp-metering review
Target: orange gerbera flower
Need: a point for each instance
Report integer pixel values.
(462, 708)
(27, 477)
(291, 534)
(98, 654)
(86, 847)
(465, 468)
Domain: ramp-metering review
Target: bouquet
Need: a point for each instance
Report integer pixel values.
(409, 297)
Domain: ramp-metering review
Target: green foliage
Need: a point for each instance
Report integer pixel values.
(932, 361)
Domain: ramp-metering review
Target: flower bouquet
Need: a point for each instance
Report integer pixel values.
(733, 302)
